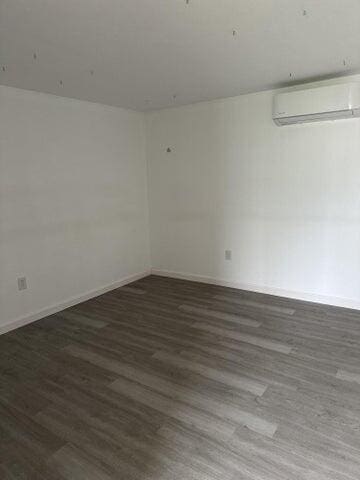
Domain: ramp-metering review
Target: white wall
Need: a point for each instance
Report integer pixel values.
(73, 200)
(286, 201)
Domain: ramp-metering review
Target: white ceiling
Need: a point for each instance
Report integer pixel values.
(149, 54)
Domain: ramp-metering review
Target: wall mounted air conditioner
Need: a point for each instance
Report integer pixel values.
(317, 104)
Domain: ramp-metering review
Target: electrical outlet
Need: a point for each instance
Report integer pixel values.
(228, 254)
(22, 283)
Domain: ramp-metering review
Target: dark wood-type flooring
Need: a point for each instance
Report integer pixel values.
(168, 379)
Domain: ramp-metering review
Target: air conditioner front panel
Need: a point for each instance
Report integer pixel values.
(337, 101)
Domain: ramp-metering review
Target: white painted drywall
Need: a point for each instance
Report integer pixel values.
(286, 200)
(73, 200)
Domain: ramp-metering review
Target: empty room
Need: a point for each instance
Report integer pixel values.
(179, 240)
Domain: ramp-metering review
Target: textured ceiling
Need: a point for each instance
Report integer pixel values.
(149, 54)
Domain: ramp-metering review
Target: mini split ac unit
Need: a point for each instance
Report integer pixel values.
(317, 104)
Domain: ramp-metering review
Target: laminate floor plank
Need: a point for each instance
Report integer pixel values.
(348, 376)
(220, 375)
(258, 305)
(245, 337)
(136, 291)
(167, 379)
(277, 459)
(197, 418)
(73, 466)
(201, 400)
(82, 319)
(239, 320)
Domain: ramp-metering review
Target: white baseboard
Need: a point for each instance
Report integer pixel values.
(33, 317)
(279, 292)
